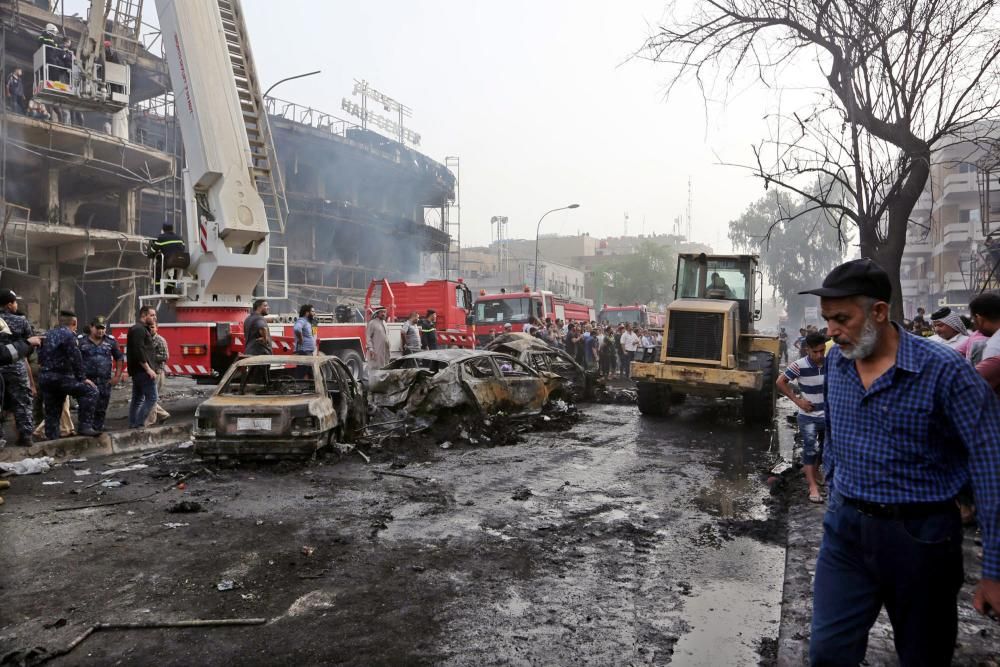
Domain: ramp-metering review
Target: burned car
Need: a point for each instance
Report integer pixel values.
(577, 382)
(280, 407)
(452, 380)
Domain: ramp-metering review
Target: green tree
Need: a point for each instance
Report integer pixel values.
(797, 244)
(645, 276)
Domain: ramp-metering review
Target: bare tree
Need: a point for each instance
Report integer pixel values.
(902, 79)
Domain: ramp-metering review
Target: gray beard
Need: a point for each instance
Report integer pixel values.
(866, 344)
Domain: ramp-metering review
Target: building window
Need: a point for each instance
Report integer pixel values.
(968, 215)
(966, 168)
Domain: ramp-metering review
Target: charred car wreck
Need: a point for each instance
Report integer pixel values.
(280, 407)
(456, 380)
(577, 382)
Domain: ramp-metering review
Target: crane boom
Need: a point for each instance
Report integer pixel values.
(215, 102)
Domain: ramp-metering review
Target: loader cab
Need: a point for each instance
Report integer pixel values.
(726, 277)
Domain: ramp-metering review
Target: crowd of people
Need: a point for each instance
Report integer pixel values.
(597, 345)
(82, 365)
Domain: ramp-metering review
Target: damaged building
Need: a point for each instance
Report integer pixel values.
(82, 200)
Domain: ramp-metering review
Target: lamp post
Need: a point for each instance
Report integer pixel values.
(288, 78)
(538, 229)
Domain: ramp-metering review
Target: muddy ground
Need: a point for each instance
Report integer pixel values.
(614, 540)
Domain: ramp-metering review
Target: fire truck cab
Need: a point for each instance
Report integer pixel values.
(518, 309)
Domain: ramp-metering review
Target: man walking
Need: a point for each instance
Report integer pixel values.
(949, 330)
(909, 423)
(101, 357)
(62, 375)
(19, 387)
(141, 364)
(985, 310)
(808, 373)
(377, 340)
(257, 337)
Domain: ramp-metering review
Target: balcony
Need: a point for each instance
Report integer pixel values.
(916, 246)
(960, 187)
(958, 233)
(954, 281)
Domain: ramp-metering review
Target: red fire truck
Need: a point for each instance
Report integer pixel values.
(204, 350)
(636, 314)
(493, 311)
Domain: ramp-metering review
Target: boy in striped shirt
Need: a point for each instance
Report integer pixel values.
(808, 373)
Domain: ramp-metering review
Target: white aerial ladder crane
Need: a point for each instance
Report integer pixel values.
(232, 186)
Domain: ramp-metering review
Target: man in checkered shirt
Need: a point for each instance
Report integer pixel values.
(908, 424)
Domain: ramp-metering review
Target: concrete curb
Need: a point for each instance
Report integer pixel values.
(114, 442)
(793, 648)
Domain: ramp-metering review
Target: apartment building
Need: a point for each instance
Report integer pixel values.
(945, 246)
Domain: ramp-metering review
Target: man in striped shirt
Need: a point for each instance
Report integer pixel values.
(808, 373)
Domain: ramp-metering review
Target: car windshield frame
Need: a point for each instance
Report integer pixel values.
(271, 380)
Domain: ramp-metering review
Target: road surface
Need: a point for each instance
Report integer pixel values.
(617, 540)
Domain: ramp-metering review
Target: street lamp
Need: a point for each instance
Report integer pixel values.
(538, 229)
(288, 78)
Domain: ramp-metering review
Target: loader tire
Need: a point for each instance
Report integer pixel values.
(758, 406)
(653, 399)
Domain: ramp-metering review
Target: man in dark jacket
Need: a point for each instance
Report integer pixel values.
(428, 331)
(15, 92)
(62, 375)
(18, 385)
(166, 245)
(141, 368)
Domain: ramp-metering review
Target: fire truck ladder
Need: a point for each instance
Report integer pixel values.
(265, 172)
(125, 17)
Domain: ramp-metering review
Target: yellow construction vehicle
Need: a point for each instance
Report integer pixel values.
(709, 346)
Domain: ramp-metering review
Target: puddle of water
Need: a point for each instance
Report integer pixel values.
(731, 610)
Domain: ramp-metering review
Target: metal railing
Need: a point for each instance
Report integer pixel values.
(298, 113)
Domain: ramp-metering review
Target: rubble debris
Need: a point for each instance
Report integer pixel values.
(111, 483)
(185, 507)
(522, 494)
(114, 471)
(50, 483)
(308, 551)
(38, 655)
(176, 525)
(226, 585)
(29, 466)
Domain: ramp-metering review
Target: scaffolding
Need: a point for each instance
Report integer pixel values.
(451, 219)
(984, 261)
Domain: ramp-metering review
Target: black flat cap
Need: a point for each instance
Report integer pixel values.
(859, 277)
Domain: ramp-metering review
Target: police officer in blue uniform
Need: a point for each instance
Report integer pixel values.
(17, 385)
(62, 375)
(101, 355)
